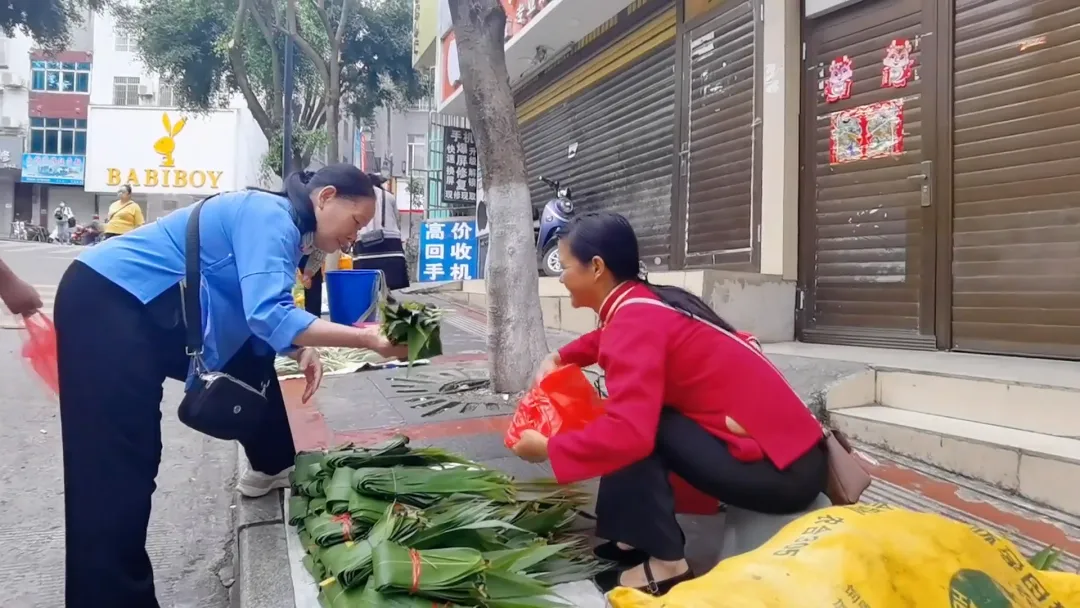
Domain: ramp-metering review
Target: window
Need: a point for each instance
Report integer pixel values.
(58, 136)
(124, 43)
(59, 77)
(166, 97)
(416, 159)
(125, 90)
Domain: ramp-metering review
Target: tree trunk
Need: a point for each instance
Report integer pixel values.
(333, 114)
(516, 339)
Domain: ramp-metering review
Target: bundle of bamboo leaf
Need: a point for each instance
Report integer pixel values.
(416, 325)
(390, 526)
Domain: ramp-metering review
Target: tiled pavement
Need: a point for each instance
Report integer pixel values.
(370, 406)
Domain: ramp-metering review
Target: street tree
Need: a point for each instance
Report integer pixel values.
(48, 22)
(353, 56)
(516, 339)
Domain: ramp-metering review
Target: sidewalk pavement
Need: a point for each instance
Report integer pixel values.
(371, 406)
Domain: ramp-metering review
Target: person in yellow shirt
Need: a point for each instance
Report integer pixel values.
(125, 215)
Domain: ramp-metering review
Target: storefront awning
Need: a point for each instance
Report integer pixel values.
(537, 32)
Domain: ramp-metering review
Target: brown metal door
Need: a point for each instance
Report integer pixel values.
(867, 222)
(720, 147)
(1016, 224)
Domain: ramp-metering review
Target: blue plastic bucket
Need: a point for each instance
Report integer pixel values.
(354, 295)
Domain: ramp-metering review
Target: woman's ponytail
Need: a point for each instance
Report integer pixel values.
(610, 237)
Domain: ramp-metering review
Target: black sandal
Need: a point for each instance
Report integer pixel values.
(611, 552)
(610, 579)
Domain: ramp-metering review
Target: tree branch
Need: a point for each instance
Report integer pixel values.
(323, 16)
(236, 60)
(277, 94)
(339, 36)
(304, 46)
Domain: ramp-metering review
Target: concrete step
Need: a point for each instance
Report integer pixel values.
(1043, 409)
(1038, 466)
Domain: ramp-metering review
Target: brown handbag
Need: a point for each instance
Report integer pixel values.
(848, 477)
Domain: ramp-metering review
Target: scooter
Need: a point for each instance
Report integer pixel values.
(556, 214)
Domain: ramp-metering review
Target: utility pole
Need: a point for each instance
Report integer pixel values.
(287, 115)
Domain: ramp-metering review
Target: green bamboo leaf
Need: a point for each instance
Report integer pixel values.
(339, 491)
(1045, 559)
(520, 560)
(298, 509)
(444, 574)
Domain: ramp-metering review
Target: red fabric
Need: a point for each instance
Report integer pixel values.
(653, 356)
(39, 349)
(564, 400)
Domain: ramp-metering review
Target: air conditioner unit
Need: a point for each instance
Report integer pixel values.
(6, 122)
(7, 78)
(144, 91)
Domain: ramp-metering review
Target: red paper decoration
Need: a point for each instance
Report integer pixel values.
(871, 131)
(838, 84)
(898, 67)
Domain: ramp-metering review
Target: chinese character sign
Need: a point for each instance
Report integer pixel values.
(448, 251)
(460, 166)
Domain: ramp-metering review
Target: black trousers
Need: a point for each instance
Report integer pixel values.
(313, 295)
(114, 356)
(636, 505)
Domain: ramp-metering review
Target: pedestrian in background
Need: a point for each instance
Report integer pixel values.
(63, 216)
(124, 216)
(379, 245)
(123, 301)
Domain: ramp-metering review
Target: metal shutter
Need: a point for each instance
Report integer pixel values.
(863, 227)
(1016, 227)
(623, 127)
(723, 142)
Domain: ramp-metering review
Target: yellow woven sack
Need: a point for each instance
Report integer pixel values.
(872, 556)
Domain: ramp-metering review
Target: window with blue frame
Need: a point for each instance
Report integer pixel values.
(59, 77)
(58, 136)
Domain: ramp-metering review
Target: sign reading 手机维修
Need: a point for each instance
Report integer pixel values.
(448, 250)
(460, 166)
(160, 151)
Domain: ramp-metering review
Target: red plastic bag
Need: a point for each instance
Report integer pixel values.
(564, 400)
(39, 350)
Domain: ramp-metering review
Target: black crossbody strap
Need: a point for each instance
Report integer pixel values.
(382, 205)
(192, 306)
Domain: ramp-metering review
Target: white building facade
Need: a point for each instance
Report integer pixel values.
(138, 137)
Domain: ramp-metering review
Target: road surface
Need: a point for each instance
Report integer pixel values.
(191, 526)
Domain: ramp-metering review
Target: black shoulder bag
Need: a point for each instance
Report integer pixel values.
(218, 404)
(375, 237)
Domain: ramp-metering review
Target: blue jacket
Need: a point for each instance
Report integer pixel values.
(250, 249)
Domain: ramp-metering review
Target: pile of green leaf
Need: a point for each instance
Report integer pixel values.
(415, 324)
(333, 359)
(399, 527)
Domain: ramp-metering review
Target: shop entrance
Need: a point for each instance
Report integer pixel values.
(872, 161)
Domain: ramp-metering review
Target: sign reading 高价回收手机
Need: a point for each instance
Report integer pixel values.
(460, 166)
(448, 250)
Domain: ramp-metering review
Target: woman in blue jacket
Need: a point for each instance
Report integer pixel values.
(120, 334)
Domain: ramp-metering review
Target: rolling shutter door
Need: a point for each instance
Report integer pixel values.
(617, 115)
(1016, 226)
(865, 230)
(723, 144)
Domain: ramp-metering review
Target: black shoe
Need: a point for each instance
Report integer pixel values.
(611, 552)
(609, 579)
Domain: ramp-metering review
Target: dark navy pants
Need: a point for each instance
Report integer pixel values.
(636, 505)
(115, 353)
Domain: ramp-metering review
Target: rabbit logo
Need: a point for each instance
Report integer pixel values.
(167, 144)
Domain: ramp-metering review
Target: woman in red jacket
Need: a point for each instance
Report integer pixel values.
(685, 396)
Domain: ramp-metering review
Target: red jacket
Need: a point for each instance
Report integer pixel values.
(654, 356)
